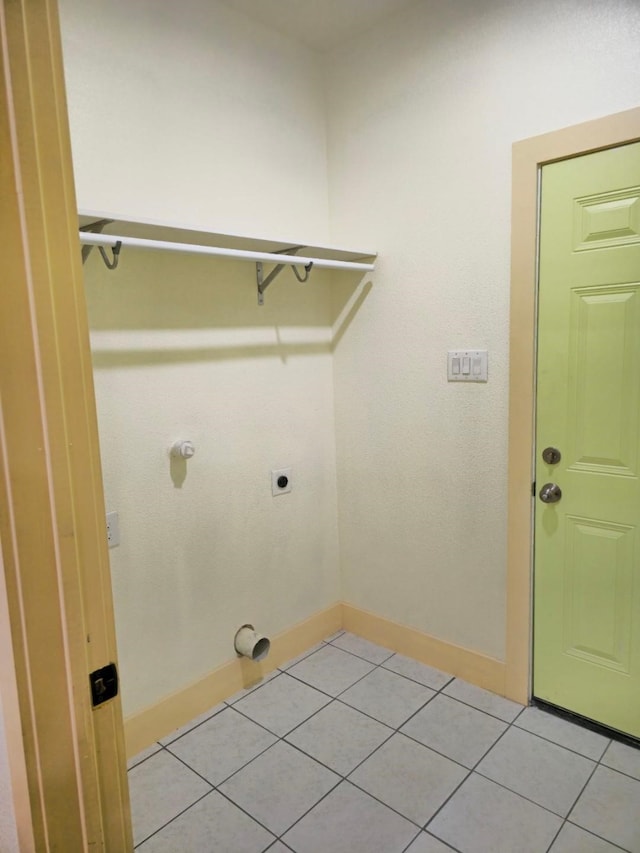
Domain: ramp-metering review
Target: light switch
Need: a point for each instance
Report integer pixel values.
(467, 365)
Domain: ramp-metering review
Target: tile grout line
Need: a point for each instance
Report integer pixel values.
(575, 803)
(341, 777)
(216, 789)
(279, 738)
(273, 734)
(392, 732)
(599, 837)
(473, 770)
(156, 831)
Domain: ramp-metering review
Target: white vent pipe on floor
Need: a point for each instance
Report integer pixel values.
(251, 645)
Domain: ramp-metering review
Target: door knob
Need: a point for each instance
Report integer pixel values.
(551, 455)
(550, 493)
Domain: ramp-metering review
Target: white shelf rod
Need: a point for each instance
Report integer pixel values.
(89, 239)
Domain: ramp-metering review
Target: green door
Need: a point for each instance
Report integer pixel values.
(587, 540)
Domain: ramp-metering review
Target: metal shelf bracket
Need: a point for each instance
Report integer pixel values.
(263, 283)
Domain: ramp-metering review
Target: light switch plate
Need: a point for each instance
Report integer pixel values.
(467, 365)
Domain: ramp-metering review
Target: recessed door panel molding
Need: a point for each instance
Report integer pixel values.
(607, 219)
(597, 591)
(586, 650)
(604, 379)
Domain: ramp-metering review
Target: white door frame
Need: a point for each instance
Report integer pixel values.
(529, 156)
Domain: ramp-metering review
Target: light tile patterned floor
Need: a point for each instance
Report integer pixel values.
(352, 748)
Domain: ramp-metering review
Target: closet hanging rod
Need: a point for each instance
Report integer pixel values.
(90, 239)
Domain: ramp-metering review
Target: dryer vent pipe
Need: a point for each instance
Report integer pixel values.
(251, 645)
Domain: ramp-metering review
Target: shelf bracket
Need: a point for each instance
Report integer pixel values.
(263, 283)
(93, 228)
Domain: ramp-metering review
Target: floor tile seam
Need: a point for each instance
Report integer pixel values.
(600, 764)
(146, 758)
(522, 796)
(446, 801)
(431, 835)
(414, 839)
(226, 779)
(473, 769)
(251, 690)
(301, 657)
(197, 726)
(481, 710)
(313, 758)
(448, 843)
(361, 657)
(595, 835)
(284, 844)
(414, 681)
(582, 790)
(437, 751)
(371, 717)
(496, 741)
(319, 689)
(175, 817)
(555, 742)
(555, 837)
(189, 767)
(315, 714)
(380, 666)
(248, 814)
(392, 733)
(244, 716)
(306, 719)
(419, 826)
(281, 835)
(337, 637)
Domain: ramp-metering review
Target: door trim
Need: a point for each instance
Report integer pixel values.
(67, 761)
(528, 156)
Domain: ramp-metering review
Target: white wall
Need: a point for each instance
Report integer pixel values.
(190, 113)
(422, 115)
(181, 351)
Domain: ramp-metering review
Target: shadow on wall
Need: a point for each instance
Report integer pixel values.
(159, 309)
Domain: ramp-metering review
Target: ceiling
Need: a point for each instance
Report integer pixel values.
(320, 24)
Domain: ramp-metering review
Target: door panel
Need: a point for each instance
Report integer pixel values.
(587, 548)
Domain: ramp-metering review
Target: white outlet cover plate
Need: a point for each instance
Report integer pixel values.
(477, 365)
(275, 476)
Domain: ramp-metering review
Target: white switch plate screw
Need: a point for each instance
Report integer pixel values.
(281, 481)
(113, 529)
(467, 365)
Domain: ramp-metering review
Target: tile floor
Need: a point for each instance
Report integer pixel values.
(351, 748)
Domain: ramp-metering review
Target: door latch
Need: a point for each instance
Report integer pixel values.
(104, 684)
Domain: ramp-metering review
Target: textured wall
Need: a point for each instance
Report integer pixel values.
(188, 112)
(422, 115)
(182, 352)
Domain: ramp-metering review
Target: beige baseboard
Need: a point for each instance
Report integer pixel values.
(159, 720)
(473, 667)
(149, 725)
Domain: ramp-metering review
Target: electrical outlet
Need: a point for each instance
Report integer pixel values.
(281, 481)
(113, 529)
